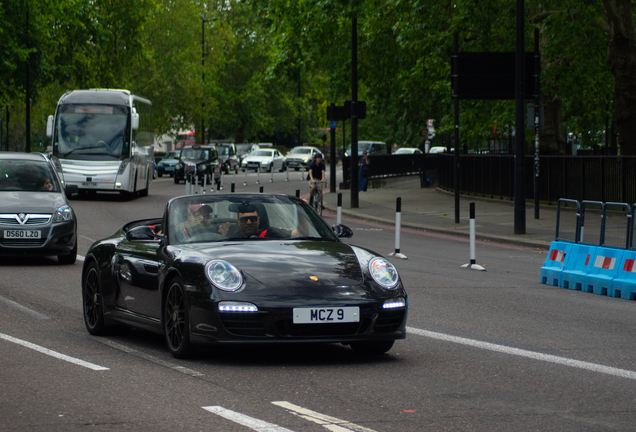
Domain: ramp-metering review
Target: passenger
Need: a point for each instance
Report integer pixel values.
(198, 221)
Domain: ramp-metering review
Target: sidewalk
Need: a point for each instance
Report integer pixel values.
(433, 210)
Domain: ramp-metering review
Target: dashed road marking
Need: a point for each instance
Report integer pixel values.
(24, 309)
(331, 423)
(245, 420)
(52, 353)
(594, 367)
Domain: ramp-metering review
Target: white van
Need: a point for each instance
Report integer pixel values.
(371, 147)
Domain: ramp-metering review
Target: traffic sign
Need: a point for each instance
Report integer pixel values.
(333, 124)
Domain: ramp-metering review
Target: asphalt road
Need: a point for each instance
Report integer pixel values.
(486, 351)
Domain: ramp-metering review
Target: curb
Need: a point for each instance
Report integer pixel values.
(488, 237)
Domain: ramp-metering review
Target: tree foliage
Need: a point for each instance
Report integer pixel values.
(258, 53)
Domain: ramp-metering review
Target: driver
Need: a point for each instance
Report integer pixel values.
(198, 221)
(249, 222)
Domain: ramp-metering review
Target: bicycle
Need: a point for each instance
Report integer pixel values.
(318, 198)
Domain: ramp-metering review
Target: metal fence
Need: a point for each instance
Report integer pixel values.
(594, 178)
(394, 165)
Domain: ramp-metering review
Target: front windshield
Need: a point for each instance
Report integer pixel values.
(93, 132)
(361, 147)
(27, 175)
(222, 218)
(173, 155)
(191, 153)
(262, 153)
(223, 150)
(300, 151)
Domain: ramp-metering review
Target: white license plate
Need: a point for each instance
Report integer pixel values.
(326, 315)
(23, 234)
(89, 184)
(169, 168)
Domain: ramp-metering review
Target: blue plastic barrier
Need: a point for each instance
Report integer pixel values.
(624, 285)
(602, 270)
(558, 255)
(573, 276)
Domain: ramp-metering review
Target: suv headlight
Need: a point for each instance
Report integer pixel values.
(64, 213)
(178, 166)
(224, 275)
(383, 272)
(202, 167)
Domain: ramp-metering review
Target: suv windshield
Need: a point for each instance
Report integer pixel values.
(223, 150)
(191, 153)
(300, 151)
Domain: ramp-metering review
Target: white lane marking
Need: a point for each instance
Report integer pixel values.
(24, 309)
(150, 358)
(52, 353)
(331, 423)
(247, 421)
(88, 238)
(594, 367)
(81, 258)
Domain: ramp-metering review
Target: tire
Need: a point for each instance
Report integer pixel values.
(159, 175)
(176, 321)
(176, 180)
(371, 348)
(283, 167)
(92, 301)
(296, 169)
(70, 258)
(144, 192)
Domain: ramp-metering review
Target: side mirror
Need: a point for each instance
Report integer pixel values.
(342, 231)
(71, 189)
(143, 232)
(49, 127)
(135, 121)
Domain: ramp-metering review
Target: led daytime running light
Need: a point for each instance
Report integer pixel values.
(231, 306)
(394, 303)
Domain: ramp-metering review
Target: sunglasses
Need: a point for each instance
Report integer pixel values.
(252, 219)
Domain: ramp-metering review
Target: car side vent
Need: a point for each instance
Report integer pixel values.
(243, 324)
(389, 321)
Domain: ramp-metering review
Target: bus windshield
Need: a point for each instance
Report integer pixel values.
(94, 132)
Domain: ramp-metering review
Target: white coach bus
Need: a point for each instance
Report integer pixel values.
(104, 141)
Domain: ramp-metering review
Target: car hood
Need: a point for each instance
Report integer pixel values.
(31, 202)
(291, 264)
(193, 161)
(169, 162)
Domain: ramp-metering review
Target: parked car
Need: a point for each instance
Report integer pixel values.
(198, 160)
(35, 215)
(438, 149)
(227, 157)
(300, 157)
(166, 165)
(371, 147)
(296, 282)
(267, 159)
(243, 150)
(408, 150)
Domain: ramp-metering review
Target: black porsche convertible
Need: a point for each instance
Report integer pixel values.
(242, 268)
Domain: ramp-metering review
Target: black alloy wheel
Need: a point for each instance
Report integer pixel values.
(371, 347)
(176, 321)
(92, 301)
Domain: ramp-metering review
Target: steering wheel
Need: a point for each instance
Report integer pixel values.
(101, 143)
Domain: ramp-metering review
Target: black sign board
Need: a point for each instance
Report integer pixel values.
(486, 75)
(344, 112)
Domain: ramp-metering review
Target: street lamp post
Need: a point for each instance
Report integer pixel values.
(203, 21)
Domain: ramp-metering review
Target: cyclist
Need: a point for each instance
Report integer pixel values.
(316, 174)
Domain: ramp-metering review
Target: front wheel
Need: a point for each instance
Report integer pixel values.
(176, 180)
(372, 348)
(176, 322)
(70, 258)
(92, 301)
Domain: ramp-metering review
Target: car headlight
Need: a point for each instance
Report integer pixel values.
(64, 213)
(178, 166)
(383, 272)
(224, 275)
(122, 167)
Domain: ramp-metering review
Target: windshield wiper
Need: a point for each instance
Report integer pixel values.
(82, 148)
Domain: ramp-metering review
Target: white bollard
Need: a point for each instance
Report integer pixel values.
(339, 209)
(471, 225)
(271, 178)
(286, 172)
(258, 174)
(222, 174)
(398, 224)
(234, 177)
(245, 182)
(205, 180)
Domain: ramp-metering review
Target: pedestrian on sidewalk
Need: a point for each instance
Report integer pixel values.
(363, 172)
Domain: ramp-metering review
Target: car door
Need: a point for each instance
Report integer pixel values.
(137, 270)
